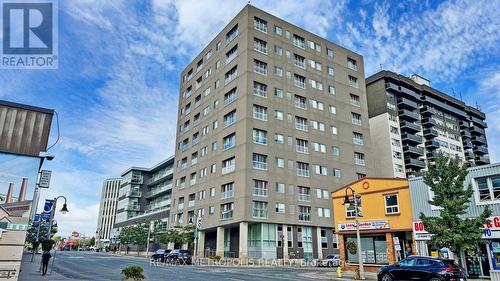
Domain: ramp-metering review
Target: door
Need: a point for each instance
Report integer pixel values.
(420, 269)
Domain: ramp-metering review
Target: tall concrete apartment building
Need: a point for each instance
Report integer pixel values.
(107, 209)
(145, 195)
(411, 123)
(272, 118)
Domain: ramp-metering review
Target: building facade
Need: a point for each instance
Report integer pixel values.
(485, 181)
(145, 195)
(272, 118)
(385, 225)
(107, 210)
(412, 123)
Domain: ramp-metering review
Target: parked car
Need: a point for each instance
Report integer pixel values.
(422, 268)
(179, 257)
(330, 261)
(160, 255)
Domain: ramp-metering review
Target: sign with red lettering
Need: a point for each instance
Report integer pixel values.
(493, 223)
(419, 231)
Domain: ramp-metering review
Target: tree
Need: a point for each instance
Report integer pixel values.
(177, 235)
(136, 234)
(33, 232)
(90, 242)
(450, 229)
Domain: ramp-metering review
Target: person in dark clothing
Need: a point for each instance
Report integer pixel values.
(45, 261)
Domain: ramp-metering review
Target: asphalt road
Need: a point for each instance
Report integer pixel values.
(100, 266)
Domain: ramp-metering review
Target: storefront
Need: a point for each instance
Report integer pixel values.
(385, 224)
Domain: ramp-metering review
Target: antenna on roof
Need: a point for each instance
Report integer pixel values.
(453, 91)
(460, 93)
(394, 68)
(381, 67)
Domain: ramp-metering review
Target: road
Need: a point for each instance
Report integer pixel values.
(100, 266)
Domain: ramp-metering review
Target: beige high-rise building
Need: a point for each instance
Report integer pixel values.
(107, 210)
(272, 118)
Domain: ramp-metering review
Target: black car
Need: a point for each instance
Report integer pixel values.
(160, 255)
(422, 268)
(179, 257)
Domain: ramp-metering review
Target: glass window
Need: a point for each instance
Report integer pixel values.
(391, 204)
(484, 191)
(375, 248)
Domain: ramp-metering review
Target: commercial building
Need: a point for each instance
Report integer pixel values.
(144, 196)
(411, 123)
(107, 211)
(272, 118)
(385, 225)
(485, 181)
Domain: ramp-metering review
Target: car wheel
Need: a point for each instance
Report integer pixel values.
(330, 264)
(387, 277)
(435, 279)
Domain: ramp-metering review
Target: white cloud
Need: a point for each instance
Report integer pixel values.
(489, 92)
(82, 219)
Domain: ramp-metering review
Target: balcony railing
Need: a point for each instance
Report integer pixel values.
(156, 191)
(359, 162)
(301, 126)
(228, 169)
(304, 197)
(259, 165)
(302, 172)
(227, 194)
(304, 217)
(225, 215)
(258, 213)
(302, 149)
(191, 203)
(259, 192)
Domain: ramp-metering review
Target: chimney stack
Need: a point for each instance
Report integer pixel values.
(8, 199)
(22, 192)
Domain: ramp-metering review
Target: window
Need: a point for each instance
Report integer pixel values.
(278, 71)
(488, 188)
(397, 155)
(230, 118)
(259, 161)
(211, 210)
(227, 190)
(319, 147)
(231, 54)
(302, 146)
(260, 45)
(280, 187)
(299, 81)
(335, 151)
(316, 104)
(316, 84)
(304, 213)
(217, 46)
(212, 191)
(259, 89)
(259, 136)
(321, 170)
(315, 46)
(278, 115)
(213, 168)
(333, 130)
(394, 130)
(353, 81)
(375, 245)
(231, 75)
(329, 52)
(355, 101)
(259, 188)
(279, 138)
(318, 125)
(214, 146)
(391, 204)
(278, 92)
(229, 141)
(299, 61)
(304, 193)
(206, 110)
(302, 169)
(228, 165)
(333, 109)
(315, 65)
(331, 90)
(278, 50)
(300, 123)
(232, 34)
(300, 102)
(280, 208)
(259, 67)
(299, 41)
(260, 112)
(398, 168)
(356, 118)
(357, 138)
(278, 30)
(230, 96)
(336, 173)
(324, 212)
(259, 209)
(260, 24)
(204, 151)
(280, 162)
(352, 64)
(226, 211)
(359, 159)
(322, 193)
(331, 72)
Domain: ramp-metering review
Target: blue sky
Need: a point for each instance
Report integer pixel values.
(116, 89)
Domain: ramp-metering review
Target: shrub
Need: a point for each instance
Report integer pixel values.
(133, 272)
(216, 258)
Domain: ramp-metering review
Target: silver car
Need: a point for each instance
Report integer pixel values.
(330, 261)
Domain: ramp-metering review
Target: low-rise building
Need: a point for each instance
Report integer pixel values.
(385, 225)
(485, 181)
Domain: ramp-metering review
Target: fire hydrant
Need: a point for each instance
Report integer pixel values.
(339, 272)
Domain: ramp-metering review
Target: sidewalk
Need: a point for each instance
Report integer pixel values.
(29, 270)
(332, 275)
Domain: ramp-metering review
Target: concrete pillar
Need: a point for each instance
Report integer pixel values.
(343, 254)
(220, 242)
(318, 239)
(391, 254)
(285, 242)
(170, 246)
(201, 244)
(243, 247)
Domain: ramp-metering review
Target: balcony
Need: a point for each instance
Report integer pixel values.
(430, 133)
(136, 194)
(302, 149)
(158, 191)
(413, 150)
(411, 138)
(432, 144)
(478, 139)
(259, 165)
(469, 155)
(432, 155)
(406, 103)
(466, 135)
(226, 215)
(304, 217)
(414, 163)
(479, 122)
(481, 150)
(304, 197)
(467, 144)
(132, 207)
(408, 115)
(475, 130)
(425, 111)
(482, 160)
(262, 192)
(227, 194)
(410, 126)
(162, 205)
(228, 169)
(464, 124)
(392, 87)
(428, 122)
(302, 173)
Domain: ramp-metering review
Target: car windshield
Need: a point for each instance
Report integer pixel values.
(160, 251)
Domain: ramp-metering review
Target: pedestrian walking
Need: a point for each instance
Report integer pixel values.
(45, 261)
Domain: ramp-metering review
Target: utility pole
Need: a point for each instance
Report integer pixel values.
(358, 238)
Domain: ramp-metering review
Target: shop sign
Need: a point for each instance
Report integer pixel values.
(364, 225)
(419, 231)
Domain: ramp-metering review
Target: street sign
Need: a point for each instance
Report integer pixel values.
(44, 179)
(397, 245)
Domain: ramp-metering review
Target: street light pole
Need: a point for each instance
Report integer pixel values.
(358, 236)
(151, 225)
(64, 210)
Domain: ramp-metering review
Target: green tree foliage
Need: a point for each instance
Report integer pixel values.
(134, 235)
(47, 244)
(177, 235)
(450, 228)
(90, 242)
